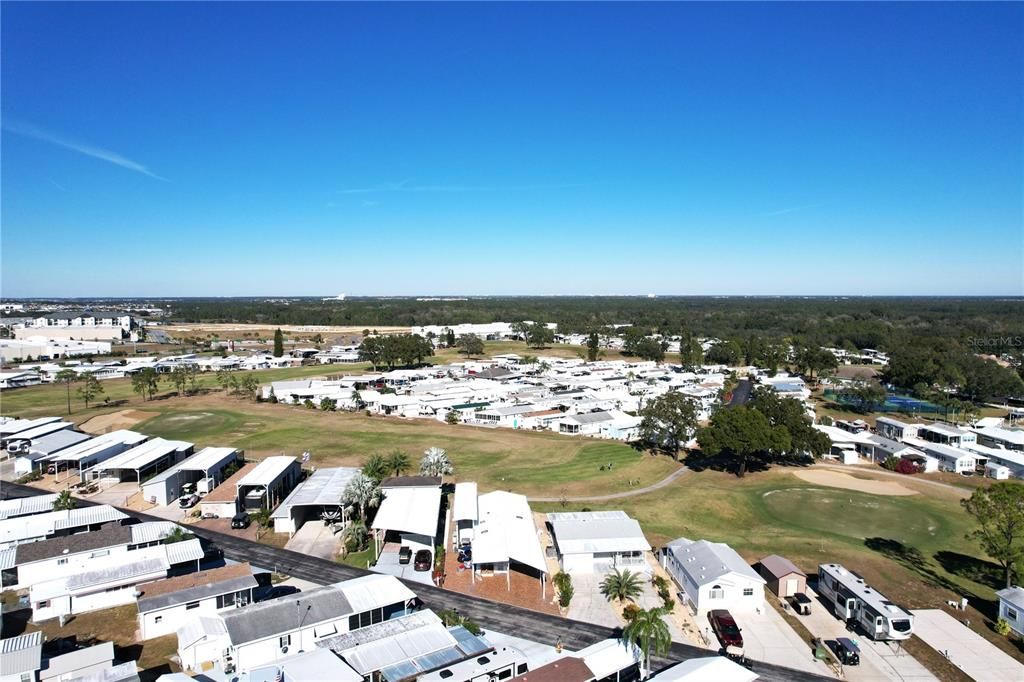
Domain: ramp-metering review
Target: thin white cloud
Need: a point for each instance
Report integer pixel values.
(37, 133)
(791, 209)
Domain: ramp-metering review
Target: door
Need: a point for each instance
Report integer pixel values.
(791, 587)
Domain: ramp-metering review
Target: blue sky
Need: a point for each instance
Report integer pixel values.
(250, 149)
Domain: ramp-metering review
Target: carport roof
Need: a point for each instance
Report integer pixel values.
(410, 510)
(464, 507)
(323, 488)
(144, 455)
(718, 668)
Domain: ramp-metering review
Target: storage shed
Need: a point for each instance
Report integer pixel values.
(782, 576)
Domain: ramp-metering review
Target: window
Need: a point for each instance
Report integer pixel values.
(26, 677)
(284, 641)
(158, 619)
(43, 605)
(96, 555)
(1010, 614)
(717, 592)
(521, 670)
(62, 561)
(505, 674)
(192, 605)
(748, 591)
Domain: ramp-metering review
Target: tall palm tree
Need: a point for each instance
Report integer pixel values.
(435, 462)
(398, 462)
(648, 632)
(621, 585)
(363, 492)
(64, 501)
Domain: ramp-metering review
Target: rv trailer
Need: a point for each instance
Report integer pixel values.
(853, 601)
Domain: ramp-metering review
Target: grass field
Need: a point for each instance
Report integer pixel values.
(527, 462)
(913, 548)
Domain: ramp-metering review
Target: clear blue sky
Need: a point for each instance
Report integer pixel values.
(237, 149)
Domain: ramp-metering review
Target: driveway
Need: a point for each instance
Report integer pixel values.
(315, 539)
(741, 393)
(878, 660)
(388, 563)
(965, 648)
(769, 638)
(588, 604)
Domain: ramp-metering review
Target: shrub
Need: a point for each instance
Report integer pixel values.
(630, 612)
(1002, 627)
(563, 583)
(907, 467)
(890, 463)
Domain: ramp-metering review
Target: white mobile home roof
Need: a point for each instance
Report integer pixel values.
(40, 431)
(69, 663)
(706, 561)
(374, 591)
(464, 507)
(57, 441)
(41, 525)
(142, 456)
(267, 471)
(23, 506)
(21, 654)
(202, 461)
(19, 425)
(86, 449)
(1014, 457)
(717, 668)
(505, 531)
(410, 510)
(601, 531)
(1014, 436)
(323, 488)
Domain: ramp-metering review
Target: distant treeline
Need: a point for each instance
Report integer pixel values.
(989, 324)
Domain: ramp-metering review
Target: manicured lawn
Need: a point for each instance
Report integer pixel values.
(527, 462)
(358, 559)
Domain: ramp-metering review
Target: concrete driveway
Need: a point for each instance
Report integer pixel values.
(965, 648)
(878, 660)
(769, 638)
(588, 604)
(315, 539)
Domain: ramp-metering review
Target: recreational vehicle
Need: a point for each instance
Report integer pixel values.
(852, 600)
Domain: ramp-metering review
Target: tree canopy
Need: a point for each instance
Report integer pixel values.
(999, 511)
(741, 433)
(668, 422)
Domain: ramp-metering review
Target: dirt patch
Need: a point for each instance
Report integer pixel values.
(836, 479)
(124, 419)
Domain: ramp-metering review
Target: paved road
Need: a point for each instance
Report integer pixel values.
(615, 496)
(741, 393)
(525, 623)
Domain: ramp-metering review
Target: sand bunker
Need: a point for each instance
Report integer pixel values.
(125, 419)
(836, 479)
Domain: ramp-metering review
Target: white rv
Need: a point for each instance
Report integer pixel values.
(852, 600)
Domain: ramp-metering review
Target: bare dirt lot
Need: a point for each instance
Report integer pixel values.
(836, 479)
(124, 419)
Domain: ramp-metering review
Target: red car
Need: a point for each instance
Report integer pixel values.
(726, 630)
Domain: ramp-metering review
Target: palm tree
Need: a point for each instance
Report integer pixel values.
(398, 462)
(64, 501)
(621, 585)
(377, 467)
(363, 492)
(68, 376)
(435, 462)
(648, 632)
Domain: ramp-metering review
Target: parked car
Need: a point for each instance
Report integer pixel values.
(800, 603)
(275, 592)
(240, 520)
(405, 555)
(188, 501)
(422, 561)
(846, 650)
(726, 630)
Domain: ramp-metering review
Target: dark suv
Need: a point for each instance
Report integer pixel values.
(240, 520)
(726, 630)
